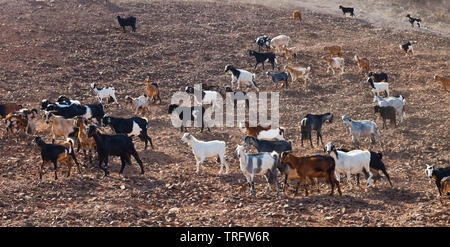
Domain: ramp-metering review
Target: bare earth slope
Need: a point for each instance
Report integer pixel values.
(60, 47)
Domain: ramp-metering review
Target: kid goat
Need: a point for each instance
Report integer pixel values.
(378, 87)
(263, 41)
(258, 164)
(353, 162)
(105, 93)
(203, 150)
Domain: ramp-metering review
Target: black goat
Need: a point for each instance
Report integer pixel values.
(314, 122)
(438, 174)
(268, 146)
(262, 57)
(191, 114)
(412, 20)
(129, 21)
(116, 145)
(376, 164)
(54, 153)
(347, 10)
(386, 112)
(378, 77)
(74, 110)
(135, 126)
(263, 41)
(277, 77)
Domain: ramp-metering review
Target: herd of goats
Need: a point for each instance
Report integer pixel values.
(80, 125)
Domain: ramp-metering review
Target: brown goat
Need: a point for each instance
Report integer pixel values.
(17, 121)
(85, 142)
(333, 50)
(152, 90)
(363, 64)
(254, 131)
(297, 15)
(445, 81)
(445, 186)
(7, 108)
(317, 166)
(289, 52)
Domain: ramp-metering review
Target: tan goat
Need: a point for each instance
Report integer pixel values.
(297, 15)
(152, 90)
(363, 64)
(333, 50)
(298, 72)
(445, 81)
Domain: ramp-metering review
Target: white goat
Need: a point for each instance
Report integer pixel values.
(203, 150)
(378, 87)
(362, 128)
(397, 103)
(353, 162)
(105, 93)
(256, 164)
(241, 76)
(334, 63)
(279, 42)
(140, 103)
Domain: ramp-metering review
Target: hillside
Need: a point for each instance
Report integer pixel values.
(50, 48)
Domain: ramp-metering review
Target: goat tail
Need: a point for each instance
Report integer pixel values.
(71, 142)
(303, 122)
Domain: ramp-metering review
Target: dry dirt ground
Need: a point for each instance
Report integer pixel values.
(60, 47)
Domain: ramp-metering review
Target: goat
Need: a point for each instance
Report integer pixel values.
(17, 122)
(376, 164)
(362, 128)
(298, 72)
(316, 166)
(314, 122)
(255, 164)
(363, 63)
(192, 112)
(262, 57)
(445, 186)
(412, 20)
(62, 101)
(61, 126)
(208, 97)
(85, 142)
(54, 153)
(129, 21)
(407, 48)
(353, 162)
(289, 52)
(140, 103)
(237, 95)
(297, 15)
(334, 63)
(346, 10)
(203, 150)
(279, 42)
(115, 145)
(378, 77)
(108, 93)
(7, 108)
(378, 87)
(31, 116)
(397, 103)
(263, 133)
(268, 146)
(334, 50)
(86, 111)
(241, 75)
(152, 90)
(444, 80)
(263, 41)
(437, 174)
(386, 112)
(277, 77)
(135, 126)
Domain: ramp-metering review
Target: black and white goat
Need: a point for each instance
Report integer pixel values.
(347, 10)
(437, 174)
(262, 57)
(412, 20)
(378, 77)
(108, 93)
(86, 111)
(115, 145)
(407, 48)
(135, 126)
(263, 42)
(379, 87)
(241, 76)
(192, 114)
(129, 21)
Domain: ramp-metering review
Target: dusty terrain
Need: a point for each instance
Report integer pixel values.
(60, 47)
